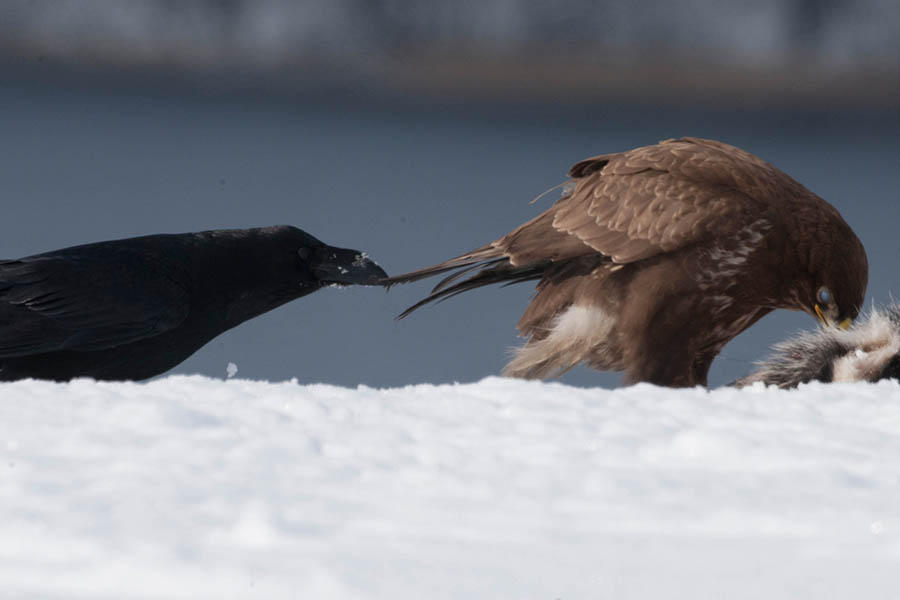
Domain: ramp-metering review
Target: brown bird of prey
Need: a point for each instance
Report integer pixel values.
(654, 258)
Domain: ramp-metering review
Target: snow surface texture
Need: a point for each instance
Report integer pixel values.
(187, 487)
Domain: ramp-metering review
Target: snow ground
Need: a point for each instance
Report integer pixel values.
(187, 487)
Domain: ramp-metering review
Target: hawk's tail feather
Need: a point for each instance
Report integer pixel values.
(491, 272)
(472, 259)
(446, 281)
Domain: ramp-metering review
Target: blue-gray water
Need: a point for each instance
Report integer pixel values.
(411, 183)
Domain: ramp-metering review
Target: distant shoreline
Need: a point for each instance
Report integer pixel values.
(514, 79)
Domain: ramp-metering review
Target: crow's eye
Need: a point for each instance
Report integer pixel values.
(304, 253)
(824, 296)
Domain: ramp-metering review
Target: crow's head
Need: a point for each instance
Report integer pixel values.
(322, 264)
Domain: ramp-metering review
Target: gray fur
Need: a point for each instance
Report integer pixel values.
(869, 351)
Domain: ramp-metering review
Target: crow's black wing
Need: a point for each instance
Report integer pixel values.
(87, 301)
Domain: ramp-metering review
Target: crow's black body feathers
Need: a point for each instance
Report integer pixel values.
(134, 308)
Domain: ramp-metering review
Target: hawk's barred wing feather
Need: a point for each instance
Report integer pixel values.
(627, 206)
(636, 204)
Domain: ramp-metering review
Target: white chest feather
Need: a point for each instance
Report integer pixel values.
(577, 334)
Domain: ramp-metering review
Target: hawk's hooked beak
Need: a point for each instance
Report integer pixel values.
(824, 321)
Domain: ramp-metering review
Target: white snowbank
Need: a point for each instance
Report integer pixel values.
(188, 487)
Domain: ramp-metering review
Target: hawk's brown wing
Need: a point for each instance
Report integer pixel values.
(637, 204)
(626, 206)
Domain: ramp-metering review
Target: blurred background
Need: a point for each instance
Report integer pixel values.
(416, 130)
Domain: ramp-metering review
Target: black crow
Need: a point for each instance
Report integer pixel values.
(134, 308)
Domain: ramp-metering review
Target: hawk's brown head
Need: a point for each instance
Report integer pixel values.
(838, 272)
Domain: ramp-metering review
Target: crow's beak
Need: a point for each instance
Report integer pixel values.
(347, 267)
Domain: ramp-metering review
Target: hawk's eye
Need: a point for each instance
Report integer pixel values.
(823, 296)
